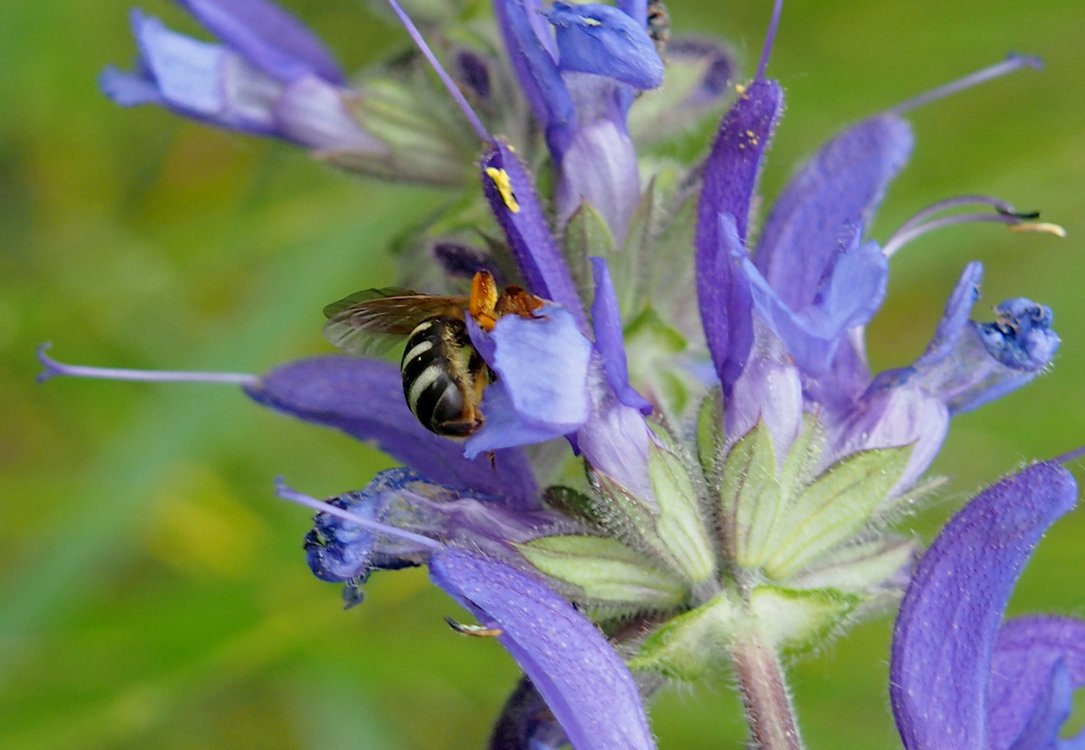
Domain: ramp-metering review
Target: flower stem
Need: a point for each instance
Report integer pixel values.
(769, 712)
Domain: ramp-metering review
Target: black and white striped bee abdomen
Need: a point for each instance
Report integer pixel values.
(443, 377)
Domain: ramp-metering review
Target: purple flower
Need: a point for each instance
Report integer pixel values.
(801, 298)
(962, 677)
(269, 76)
(730, 459)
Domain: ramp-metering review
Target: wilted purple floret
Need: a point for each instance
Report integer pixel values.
(959, 677)
(270, 76)
(341, 551)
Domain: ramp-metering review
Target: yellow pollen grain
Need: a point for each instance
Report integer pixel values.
(504, 186)
(740, 89)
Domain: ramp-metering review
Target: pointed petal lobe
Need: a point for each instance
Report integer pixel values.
(948, 622)
(583, 681)
(838, 190)
(603, 40)
(1027, 652)
(609, 342)
(268, 37)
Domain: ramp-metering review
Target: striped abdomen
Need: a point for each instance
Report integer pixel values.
(443, 377)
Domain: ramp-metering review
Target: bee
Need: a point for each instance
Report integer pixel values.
(659, 26)
(444, 376)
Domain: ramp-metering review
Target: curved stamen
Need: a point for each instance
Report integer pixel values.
(287, 493)
(446, 79)
(1016, 223)
(1001, 206)
(53, 369)
(770, 37)
(1012, 63)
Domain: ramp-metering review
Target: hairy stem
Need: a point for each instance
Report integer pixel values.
(765, 697)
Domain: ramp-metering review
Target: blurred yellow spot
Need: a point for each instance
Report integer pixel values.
(504, 186)
(1040, 227)
(198, 525)
(740, 89)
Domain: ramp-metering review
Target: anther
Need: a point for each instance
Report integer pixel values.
(476, 631)
(1004, 213)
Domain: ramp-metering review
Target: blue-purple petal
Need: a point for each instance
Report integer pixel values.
(537, 71)
(584, 682)
(364, 398)
(837, 191)
(768, 391)
(730, 180)
(724, 297)
(312, 112)
(1026, 655)
(948, 622)
(505, 427)
(599, 164)
(635, 9)
(734, 164)
(129, 89)
(609, 340)
(268, 37)
(521, 216)
(1049, 711)
(542, 379)
(849, 297)
(891, 413)
(615, 442)
(205, 81)
(955, 319)
(605, 41)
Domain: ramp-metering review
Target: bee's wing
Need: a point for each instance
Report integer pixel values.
(367, 323)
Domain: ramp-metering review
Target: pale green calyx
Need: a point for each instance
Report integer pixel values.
(778, 519)
(608, 574)
(749, 543)
(695, 644)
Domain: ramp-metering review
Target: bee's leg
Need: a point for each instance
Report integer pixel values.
(483, 300)
(493, 460)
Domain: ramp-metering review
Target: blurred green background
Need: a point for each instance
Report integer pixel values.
(153, 592)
